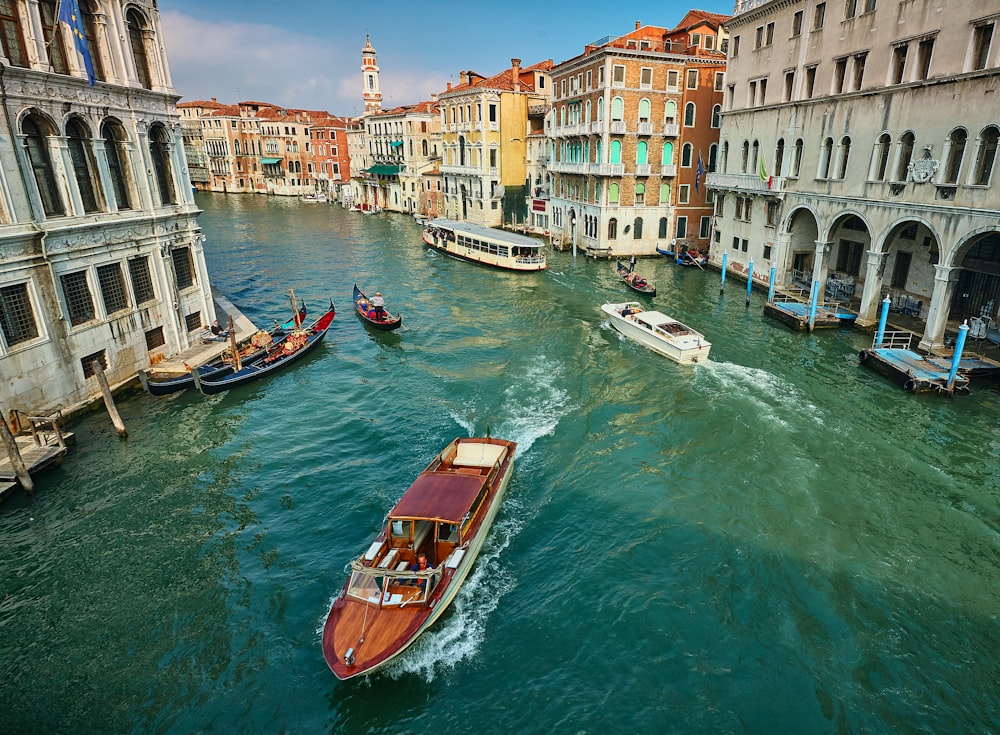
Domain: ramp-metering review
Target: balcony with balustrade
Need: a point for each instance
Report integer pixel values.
(748, 183)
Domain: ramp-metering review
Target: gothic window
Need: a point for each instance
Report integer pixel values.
(779, 156)
(10, 34)
(36, 140)
(880, 157)
(987, 155)
(825, 159)
(713, 158)
(114, 146)
(717, 116)
(797, 157)
(746, 156)
(956, 150)
(844, 156)
(136, 31)
(81, 155)
(159, 152)
(906, 143)
(613, 226)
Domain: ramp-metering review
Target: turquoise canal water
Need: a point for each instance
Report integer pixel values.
(777, 541)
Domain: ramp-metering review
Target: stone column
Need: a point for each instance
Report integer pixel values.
(819, 262)
(871, 297)
(945, 279)
(104, 174)
(142, 165)
(62, 166)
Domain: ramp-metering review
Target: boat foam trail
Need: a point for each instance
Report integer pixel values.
(461, 631)
(774, 397)
(534, 405)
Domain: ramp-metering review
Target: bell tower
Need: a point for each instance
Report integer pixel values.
(369, 69)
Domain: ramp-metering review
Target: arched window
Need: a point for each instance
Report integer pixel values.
(717, 116)
(136, 31)
(725, 157)
(36, 142)
(664, 194)
(637, 229)
(599, 150)
(562, 116)
(670, 113)
(662, 232)
(616, 151)
(53, 33)
(617, 109)
(114, 146)
(825, 159)
(986, 156)
(10, 34)
(586, 111)
(159, 152)
(713, 158)
(600, 109)
(668, 154)
(613, 194)
(779, 156)
(461, 150)
(613, 226)
(956, 150)
(746, 156)
(640, 152)
(687, 153)
(93, 43)
(80, 153)
(689, 115)
(844, 155)
(643, 110)
(797, 158)
(423, 148)
(236, 147)
(906, 143)
(640, 195)
(880, 157)
(755, 157)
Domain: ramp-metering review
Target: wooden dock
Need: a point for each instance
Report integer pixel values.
(45, 445)
(789, 310)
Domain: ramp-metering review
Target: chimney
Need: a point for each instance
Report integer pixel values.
(515, 68)
(638, 24)
(449, 87)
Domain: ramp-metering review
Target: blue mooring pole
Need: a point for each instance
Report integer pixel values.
(813, 297)
(749, 281)
(883, 317)
(963, 332)
(770, 282)
(725, 259)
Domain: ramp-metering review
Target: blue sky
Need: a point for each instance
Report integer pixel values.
(307, 53)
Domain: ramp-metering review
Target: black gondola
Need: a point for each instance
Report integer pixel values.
(365, 311)
(293, 346)
(254, 348)
(634, 281)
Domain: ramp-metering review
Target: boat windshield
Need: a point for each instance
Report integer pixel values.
(391, 587)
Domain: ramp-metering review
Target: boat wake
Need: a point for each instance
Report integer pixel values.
(533, 404)
(773, 398)
(459, 634)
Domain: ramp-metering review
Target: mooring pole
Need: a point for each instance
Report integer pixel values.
(963, 332)
(770, 283)
(722, 284)
(109, 401)
(16, 460)
(749, 281)
(882, 319)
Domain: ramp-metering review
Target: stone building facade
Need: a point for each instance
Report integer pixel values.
(859, 140)
(100, 252)
(635, 126)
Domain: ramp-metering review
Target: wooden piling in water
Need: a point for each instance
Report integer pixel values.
(109, 401)
(16, 462)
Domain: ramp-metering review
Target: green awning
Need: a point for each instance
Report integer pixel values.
(267, 161)
(384, 169)
(396, 143)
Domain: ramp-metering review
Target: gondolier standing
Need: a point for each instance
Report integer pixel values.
(379, 304)
(631, 263)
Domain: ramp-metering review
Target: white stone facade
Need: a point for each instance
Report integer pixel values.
(100, 252)
(860, 139)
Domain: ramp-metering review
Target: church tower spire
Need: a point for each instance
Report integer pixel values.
(369, 69)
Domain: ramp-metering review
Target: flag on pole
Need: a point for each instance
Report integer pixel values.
(764, 176)
(700, 172)
(69, 13)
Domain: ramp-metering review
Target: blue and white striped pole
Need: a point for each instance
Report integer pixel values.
(770, 287)
(880, 334)
(963, 332)
(725, 259)
(813, 297)
(749, 281)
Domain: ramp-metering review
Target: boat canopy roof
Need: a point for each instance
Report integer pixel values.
(439, 496)
(486, 233)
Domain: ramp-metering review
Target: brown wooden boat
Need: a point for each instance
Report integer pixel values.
(445, 515)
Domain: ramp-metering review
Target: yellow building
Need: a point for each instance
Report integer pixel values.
(485, 124)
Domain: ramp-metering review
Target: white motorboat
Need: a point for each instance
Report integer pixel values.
(658, 332)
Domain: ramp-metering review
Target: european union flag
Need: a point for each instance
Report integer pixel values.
(700, 172)
(69, 13)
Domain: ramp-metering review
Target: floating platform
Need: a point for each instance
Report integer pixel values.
(796, 315)
(917, 373)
